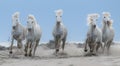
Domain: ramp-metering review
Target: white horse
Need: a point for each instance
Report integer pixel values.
(33, 35)
(59, 31)
(107, 30)
(94, 34)
(18, 31)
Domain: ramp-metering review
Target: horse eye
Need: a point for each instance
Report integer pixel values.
(104, 17)
(60, 16)
(56, 16)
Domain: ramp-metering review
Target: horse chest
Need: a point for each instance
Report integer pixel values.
(30, 36)
(16, 34)
(59, 31)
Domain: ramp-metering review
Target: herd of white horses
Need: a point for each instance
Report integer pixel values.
(96, 37)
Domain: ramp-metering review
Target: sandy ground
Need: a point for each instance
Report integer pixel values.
(73, 56)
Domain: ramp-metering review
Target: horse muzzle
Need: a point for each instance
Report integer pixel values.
(29, 29)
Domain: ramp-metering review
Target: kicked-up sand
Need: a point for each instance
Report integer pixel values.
(72, 56)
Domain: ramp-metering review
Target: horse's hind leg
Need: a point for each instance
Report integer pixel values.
(11, 45)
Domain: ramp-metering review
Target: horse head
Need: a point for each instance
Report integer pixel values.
(59, 16)
(15, 20)
(31, 22)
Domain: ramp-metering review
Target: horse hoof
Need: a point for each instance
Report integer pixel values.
(25, 54)
(10, 52)
(30, 55)
(94, 54)
(86, 50)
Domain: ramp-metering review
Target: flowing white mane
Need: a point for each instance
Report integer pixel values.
(106, 14)
(110, 22)
(31, 17)
(92, 17)
(59, 12)
(16, 15)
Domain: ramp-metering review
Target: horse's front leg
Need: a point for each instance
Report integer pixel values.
(108, 47)
(31, 46)
(86, 42)
(19, 44)
(105, 44)
(56, 45)
(11, 45)
(102, 46)
(37, 43)
(26, 48)
(63, 45)
(96, 46)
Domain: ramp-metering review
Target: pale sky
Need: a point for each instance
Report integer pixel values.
(74, 16)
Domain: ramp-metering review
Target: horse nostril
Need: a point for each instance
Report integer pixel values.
(13, 27)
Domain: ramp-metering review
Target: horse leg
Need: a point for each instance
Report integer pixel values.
(104, 46)
(98, 46)
(11, 45)
(37, 43)
(85, 49)
(108, 46)
(26, 48)
(91, 47)
(63, 45)
(22, 47)
(56, 45)
(94, 48)
(30, 52)
(19, 44)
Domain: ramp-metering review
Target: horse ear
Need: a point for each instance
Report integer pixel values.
(16, 14)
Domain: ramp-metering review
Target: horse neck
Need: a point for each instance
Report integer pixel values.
(105, 28)
(91, 29)
(58, 26)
